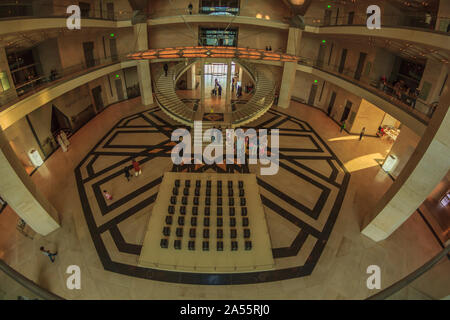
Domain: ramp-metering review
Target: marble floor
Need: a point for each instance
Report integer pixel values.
(339, 270)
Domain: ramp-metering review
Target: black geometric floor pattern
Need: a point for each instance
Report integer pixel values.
(280, 202)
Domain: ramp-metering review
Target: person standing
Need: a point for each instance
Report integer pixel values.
(342, 126)
(127, 173)
(61, 143)
(362, 133)
(49, 254)
(137, 168)
(107, 195)
(64, 138)
(190, 7)
(166, 68)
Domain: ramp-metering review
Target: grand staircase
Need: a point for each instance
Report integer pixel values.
(261, 101)
(167, 98)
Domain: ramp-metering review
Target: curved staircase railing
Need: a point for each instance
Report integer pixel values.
(261, 101)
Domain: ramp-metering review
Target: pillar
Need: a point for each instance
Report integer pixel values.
(290, 68)
(22, 194)
(143, 66)
(202, 81)
(228, 88)
(425, 169)
(190, 78)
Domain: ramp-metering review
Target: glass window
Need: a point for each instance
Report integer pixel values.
(219, 7)
(218, 37)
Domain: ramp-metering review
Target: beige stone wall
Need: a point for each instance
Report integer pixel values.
(403, 148)
(302, 86)
(172, 35)
(368, 116)
(71, 45)
(317, 9)
(259, 38)
(21, 140)
(119, 5)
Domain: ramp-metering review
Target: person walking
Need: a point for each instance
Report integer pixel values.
(166, 68)
(137, 168)
(362, 133)
(49, 254)
(342, 126)
(127, 173)
(107, 195)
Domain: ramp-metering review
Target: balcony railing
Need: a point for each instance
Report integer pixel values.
(400, 98)
(15, 286)
(232, 13)
(418, 21)
(59, 76)
(41, 10)
(425, 283)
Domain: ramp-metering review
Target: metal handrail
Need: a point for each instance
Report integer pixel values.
(394, 288)
(27, 283)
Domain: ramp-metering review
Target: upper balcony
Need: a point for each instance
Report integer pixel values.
(50, 86)
(430, 31)
(31, 17)
(407, 107)
(225, 15)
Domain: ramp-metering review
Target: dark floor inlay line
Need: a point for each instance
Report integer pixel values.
(162, 150)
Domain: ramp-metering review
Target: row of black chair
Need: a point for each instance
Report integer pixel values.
(206, 221)
(207, 211)
(193, 231)
(205, 245)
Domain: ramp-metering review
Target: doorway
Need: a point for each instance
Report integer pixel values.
(346, 112)
(59, 122)
(343, 58)
(119, 89)
(312, 94)
(84, 9)
(321, 56)
(327, 18)
(361, 61)
(98, 100)
(113, 49)
(331, 104)
(110, 11)
(351, 17)
(88, 48)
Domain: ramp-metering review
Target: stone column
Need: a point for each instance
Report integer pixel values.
(290, 68)
(143, 66)
(190, 78)
(22, 194)
(228, 88)
(202, 81)
(425, 169)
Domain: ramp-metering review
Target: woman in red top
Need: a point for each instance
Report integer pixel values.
(137, 168)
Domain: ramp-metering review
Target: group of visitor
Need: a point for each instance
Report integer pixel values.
(137, 172)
